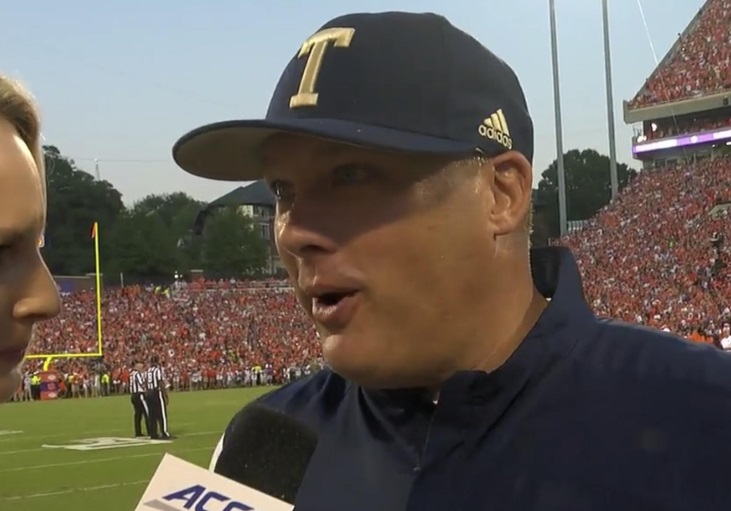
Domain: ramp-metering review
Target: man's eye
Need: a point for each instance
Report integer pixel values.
(351, 174)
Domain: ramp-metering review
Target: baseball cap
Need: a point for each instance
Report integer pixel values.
(396, 81)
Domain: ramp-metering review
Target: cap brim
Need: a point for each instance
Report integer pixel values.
(230, 150)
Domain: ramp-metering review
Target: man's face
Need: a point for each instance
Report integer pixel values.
(389, 254)
(28, 294)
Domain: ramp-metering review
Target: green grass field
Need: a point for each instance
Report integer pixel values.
(36, 474)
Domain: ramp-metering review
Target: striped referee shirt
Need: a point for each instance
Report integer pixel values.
(137, 383)
(154, 378)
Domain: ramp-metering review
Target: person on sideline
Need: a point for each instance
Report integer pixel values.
(466, 371)
(28, 293)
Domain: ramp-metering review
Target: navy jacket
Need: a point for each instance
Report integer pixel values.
(587, 415)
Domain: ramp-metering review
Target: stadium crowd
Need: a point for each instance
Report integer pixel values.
(699, 63)
(209, 335)
(659, 253)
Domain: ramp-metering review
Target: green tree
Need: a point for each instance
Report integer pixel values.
(233, 245)
(75, 201)
(178, 212)
(588, 186)
(144, 247)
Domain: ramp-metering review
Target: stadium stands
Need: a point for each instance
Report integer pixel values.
(653, 255)
(206, 336)
(698, 64)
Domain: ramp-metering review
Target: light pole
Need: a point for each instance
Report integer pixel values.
(610, 103)
(559, 130)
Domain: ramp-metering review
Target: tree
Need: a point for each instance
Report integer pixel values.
(144, 247)
(178, 212)
(75, 201)
(233, 245)
(149, 241)
(588, 186)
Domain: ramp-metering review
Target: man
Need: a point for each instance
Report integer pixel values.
(138, 388)
(157, 401)
(466, 371)
(725, 337)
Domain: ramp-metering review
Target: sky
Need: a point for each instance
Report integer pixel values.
(119, 82)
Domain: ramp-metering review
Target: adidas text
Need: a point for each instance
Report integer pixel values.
(496, 128)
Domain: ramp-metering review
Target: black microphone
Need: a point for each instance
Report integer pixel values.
(268, 451)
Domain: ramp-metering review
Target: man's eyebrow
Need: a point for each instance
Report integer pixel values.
(331, 149)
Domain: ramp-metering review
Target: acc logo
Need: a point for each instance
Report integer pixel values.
(198, 498)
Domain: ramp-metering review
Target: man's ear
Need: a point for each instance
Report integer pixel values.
(512, 189)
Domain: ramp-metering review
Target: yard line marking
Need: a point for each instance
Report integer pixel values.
(26, 437)
(199, 433)
(99, 460)
(74, 490)
(56, 435)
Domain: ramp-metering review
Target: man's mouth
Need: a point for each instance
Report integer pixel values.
(334, 309)
(332, 298)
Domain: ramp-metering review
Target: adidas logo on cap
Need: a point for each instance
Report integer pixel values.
(496, 128)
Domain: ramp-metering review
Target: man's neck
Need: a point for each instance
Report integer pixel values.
(511, 323)
(499, 349)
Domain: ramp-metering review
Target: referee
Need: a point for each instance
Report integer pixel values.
(157, 401)
(138, 387)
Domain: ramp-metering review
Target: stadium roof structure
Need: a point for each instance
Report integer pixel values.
(256, 193)
(253, 194)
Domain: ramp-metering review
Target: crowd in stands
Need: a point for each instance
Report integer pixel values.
(699, 64)
(659, 254)
(207, 335)
(675, 127)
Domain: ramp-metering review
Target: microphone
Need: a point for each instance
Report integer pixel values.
(267, 450)
(264, 463)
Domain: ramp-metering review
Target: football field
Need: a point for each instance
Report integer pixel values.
(82, 454)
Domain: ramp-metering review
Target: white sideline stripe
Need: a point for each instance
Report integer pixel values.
(74, 490)
(99, 460)
(22, 451)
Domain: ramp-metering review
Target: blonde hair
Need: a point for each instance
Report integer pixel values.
(18, 107)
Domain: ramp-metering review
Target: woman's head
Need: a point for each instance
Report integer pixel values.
(28, 293)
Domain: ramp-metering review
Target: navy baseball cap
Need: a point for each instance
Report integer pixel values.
(394, 81)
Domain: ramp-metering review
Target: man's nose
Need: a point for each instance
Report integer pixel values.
(303, 231)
